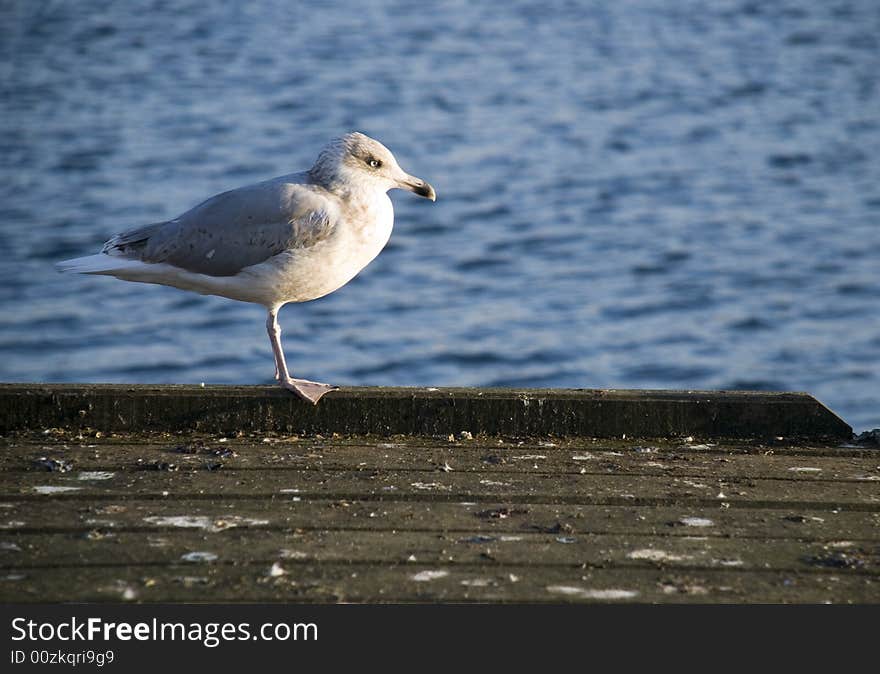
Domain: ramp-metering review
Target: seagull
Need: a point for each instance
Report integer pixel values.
(293, 238)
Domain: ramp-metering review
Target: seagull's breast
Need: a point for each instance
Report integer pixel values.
(303, 274)
(369, 223)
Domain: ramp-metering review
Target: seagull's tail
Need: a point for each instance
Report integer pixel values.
(94, 264)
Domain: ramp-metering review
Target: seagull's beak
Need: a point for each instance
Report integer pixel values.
(418, 186)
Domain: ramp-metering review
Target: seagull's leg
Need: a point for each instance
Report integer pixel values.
(274, 331)
(308, 390)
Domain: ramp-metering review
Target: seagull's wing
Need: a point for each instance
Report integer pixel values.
(235, 229)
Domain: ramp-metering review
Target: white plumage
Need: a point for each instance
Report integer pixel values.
(289, 239)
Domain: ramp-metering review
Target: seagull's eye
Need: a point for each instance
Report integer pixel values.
(375, 163)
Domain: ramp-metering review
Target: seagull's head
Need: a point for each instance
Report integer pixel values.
(358, 159)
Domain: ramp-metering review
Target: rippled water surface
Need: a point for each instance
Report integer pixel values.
(635, 194)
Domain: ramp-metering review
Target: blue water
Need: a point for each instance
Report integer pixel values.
(631, 194)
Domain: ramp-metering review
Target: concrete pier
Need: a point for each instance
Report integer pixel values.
(421, 411)
(181, 493)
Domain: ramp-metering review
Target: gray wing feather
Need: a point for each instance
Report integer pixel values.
(235, 229)
(130, 242)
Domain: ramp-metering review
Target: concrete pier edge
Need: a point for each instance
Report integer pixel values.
(421, 411)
